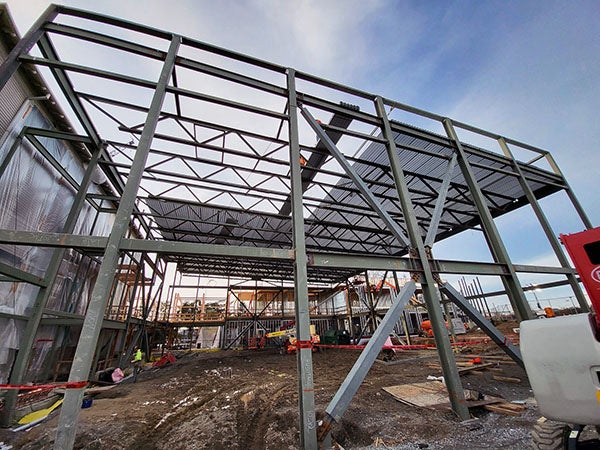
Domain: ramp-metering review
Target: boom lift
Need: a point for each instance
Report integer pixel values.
(562, 358)
(291, 343)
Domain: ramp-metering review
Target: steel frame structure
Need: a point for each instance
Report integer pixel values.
(212, 164)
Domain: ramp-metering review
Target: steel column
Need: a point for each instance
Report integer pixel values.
(431, 294)
(537, 209)
(21, 363)
(8, 157)
(582, 215)
(510, 281)
(69, 415)
(306, 394)
(370, 304)
(404, 323)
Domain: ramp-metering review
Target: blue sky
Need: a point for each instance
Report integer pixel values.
(527, 69)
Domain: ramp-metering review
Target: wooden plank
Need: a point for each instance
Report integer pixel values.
(507, 379)
(514, 406)
(485, 401)
(475, 367)
(490, 357)
(89, 391)
(502, 409)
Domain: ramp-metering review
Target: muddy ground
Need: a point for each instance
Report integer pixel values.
(248, 400)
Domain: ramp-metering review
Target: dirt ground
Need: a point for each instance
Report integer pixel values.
(248, 400)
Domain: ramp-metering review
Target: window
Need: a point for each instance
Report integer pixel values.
(593, 251)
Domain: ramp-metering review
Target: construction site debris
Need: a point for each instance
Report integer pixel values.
(256, 407)
(506, 408)
(432, 378)
(39, 415)
(89, 391)
(433, 394)
(507, 379)
(167, 358)
(475, 367)
(117, 375)
(426, 394)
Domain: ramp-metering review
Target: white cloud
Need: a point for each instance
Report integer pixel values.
(541, 87)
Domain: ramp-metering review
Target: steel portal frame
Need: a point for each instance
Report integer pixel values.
(249, 190)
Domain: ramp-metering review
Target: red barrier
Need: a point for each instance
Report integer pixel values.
(27, 387)
(414, 347)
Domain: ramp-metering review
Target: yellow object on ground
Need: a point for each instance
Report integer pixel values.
(37, 415)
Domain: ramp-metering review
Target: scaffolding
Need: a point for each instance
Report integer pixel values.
(225, 165)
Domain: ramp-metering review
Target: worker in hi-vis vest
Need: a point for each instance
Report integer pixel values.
(137, 362)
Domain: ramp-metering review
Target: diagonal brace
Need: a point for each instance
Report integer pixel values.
(439, 204)
(340, 402)
(489, 329)
(355, 177)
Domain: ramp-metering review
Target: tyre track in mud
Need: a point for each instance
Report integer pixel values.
(254, 421)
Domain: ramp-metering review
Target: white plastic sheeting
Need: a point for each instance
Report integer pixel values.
(35, 197)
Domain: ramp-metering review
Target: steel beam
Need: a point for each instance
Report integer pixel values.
(56, 65)
(498, 250)
(549, 285)
(56, 134)
(430, 292)
(77, 321)
(324, 260)
(459, 300)
(64, 173)
(11, 64)
(544, 269)
(19, 275)
(137, 27)
(14, 316)
(196, 248)
(355, 177)
(340, 402)
(306, 394)
(69, 415)
(360, 263)
(34, 238)
(67, 88)
(98, 244)
(84, 119)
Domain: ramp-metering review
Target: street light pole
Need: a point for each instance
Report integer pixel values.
(537, 300)
(573, 304)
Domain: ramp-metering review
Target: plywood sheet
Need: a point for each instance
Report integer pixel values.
(427, 394)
